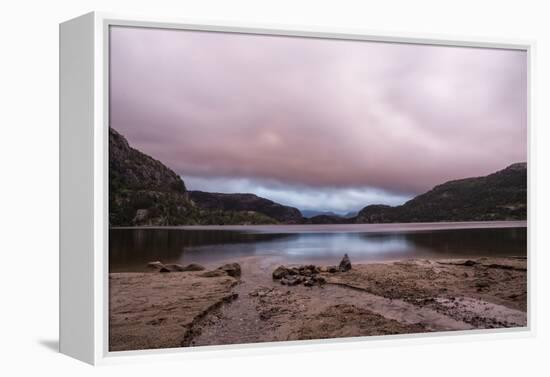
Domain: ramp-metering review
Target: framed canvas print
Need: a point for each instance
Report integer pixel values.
(228, 186)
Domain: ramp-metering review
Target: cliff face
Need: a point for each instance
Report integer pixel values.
(143, 191)
(135, 170)
(498, 196)
(246, 202)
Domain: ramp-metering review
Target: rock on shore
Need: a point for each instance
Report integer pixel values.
(231, 269)
(345, 264)
(307, 275)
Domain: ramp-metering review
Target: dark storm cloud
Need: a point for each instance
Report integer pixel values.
(323, 114)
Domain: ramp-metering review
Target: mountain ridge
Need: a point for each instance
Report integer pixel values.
(246, 202)
(501, 195)
(144, 191)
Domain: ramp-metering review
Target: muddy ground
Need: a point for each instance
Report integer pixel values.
(163, 310)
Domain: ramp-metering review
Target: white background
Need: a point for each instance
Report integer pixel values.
(29, 189)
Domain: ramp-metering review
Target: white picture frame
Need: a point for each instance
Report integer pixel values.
(83, 251)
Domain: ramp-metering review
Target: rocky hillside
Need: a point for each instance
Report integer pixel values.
(246, 202)
(312, 213)
(142, 190)
(328, 219)
(498, 196)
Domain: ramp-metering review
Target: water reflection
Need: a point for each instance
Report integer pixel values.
(131, 249)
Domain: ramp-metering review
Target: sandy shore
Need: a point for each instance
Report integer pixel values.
(163, 310)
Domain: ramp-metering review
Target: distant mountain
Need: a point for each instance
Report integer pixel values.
(318, 217)
(498, 196)
(246, 202)
(307, 213)
(350, 214)
(143, 191)
(328, 219)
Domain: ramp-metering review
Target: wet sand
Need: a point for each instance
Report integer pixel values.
(163, 310)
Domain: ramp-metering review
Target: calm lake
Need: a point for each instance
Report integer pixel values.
(130, 249)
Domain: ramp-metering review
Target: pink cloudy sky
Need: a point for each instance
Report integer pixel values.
(315, 123)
